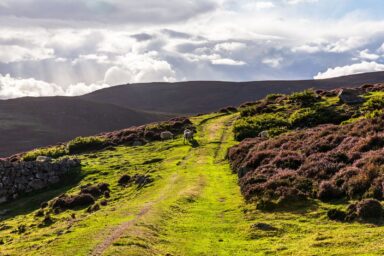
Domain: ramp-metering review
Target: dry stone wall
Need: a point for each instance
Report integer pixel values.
(21, 177)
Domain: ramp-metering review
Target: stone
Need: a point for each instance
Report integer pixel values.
(37, 184)
(351, 96)
(137, 143)
(53, 179)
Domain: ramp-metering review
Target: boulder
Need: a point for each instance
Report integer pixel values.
(351, 96)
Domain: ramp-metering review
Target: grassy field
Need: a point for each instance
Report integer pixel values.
(193, 207)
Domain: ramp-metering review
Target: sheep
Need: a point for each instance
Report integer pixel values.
(167, 135)
(188, 135)
(43, 159)
(264, 134)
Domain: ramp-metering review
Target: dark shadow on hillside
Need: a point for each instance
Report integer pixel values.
(194, 143)
(32, 201)
(296, 207)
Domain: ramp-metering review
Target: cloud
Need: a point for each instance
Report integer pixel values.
(381, 49)
(88, 12)
(230, 46)
(300, 1)
(139, 68)
(264, 5)
(272, 62)
(351, 69)
(226, 61)
(366, 55)
(14, 53)
(11, 87)
(92, 43)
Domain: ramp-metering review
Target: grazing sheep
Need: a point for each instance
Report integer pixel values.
(264, 134)
(188, 135)
(167, 135)
(43, 159)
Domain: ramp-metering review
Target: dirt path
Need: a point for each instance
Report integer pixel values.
(120, 230)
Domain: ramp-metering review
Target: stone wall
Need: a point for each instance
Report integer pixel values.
(20, 177)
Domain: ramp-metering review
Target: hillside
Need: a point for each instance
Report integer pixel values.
(307, 187)
(207, 96)
(27, 123)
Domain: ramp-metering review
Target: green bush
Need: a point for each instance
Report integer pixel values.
(304, 99)
(251, 126)
(374, 103)
(83, 144)
(54, 152)
(309, 117)
(272, 97)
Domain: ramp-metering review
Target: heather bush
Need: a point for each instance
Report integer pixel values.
(328, 191)
(309, 117)
(83, 144)
(337, 215)
(375, 102)
(53, 152)
(252, 126)
(304, 99)
(326, 162)
(369, 210)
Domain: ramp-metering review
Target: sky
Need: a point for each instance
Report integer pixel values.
(73, 47)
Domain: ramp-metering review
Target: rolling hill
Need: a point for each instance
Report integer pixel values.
(26, 123)
(207, 96)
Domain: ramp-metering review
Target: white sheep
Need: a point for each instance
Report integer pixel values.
(188, 135)
(43, 159)
(167, 135)
(264, 134)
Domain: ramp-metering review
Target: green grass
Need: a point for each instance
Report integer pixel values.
(194, 207)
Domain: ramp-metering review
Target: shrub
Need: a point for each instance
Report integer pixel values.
(69, 202)
(375, 102)
(309, 117)
(95, 190)
(124, 180)
(53, 152)
(83, 144)
(251, 126)
(272, 97)
(328, 191)
(304, 99)
(337, 215)
(369, 209)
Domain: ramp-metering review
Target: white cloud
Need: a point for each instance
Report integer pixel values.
(307, 49)
(230, 46)
(11, 87)
(366, 55)
(264, 5)
(14, 53)
(78, 43)
(351, 69)
(227, 61)
(87, 13)
(345, 44)
(381, 49)
(133, 68)
(300, 1)
(272, 62)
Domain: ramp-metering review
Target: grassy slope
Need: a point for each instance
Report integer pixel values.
(194, 207)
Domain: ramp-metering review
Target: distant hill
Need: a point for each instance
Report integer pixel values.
(26, 123)
(203, 96)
